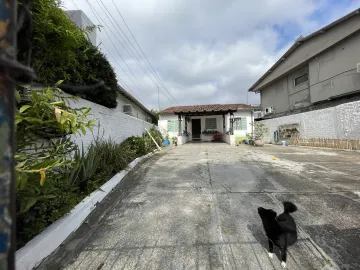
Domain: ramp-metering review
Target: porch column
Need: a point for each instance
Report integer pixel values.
(180, 131)
(186, 120)
(224, 126)
(231, 124)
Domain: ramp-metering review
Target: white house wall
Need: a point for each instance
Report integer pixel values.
(242, 114)
(163, 123)
(219, 122)
(136, 110)
(339, 122)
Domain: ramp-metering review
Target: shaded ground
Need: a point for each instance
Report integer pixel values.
(194, 207)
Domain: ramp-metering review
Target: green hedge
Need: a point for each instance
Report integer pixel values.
(61, 51)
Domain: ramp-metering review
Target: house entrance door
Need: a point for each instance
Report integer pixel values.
(196, 128)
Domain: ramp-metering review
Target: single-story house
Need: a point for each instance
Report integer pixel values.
(224, 122)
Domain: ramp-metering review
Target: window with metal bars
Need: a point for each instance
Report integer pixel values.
(301, 79)
(173, 126)
(240, 123)
(210, 123)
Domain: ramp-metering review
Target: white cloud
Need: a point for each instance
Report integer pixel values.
(205, 51)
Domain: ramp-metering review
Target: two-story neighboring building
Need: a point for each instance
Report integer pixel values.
(81, 20)
(318, 71)
(311, 95)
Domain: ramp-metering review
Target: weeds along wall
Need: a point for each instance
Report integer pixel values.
(110, 124)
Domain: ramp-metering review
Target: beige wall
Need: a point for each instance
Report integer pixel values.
(312, 47)
(331, 73)
(276, 95)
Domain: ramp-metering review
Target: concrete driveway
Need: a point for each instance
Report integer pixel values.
(194, 207)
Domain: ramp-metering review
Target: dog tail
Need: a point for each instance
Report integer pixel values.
(289, 207)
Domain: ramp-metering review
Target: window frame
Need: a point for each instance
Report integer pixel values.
(307, 79)
(241, 125)
(176, 126)
(206, 124)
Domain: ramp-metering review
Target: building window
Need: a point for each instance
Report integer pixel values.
(240, 123)
(210, 123)
(173, 126)
(301, 79)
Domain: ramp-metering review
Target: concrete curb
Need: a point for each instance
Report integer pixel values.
(36, 250)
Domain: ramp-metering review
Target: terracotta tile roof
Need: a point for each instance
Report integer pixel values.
(207, 108)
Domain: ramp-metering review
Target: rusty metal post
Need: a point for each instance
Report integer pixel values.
(8, 9)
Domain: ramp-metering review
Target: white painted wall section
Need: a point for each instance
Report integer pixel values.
(339, 122)
(113, 124)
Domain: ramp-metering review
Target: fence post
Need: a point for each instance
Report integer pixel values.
(8, 9)
(11, 72)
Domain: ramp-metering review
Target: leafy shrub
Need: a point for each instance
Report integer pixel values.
(61, 50)
(53, 174)
(156, 134)
(260, 130)
(55, 39)
(46, 211)
(84, 166)
(114, 156)
(42, 155)
(42, 120)
(88, 171)
(139, 145)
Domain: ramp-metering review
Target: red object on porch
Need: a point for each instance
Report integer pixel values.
(217, 137)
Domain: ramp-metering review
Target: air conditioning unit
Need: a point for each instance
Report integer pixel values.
(269, 110)
(127, 108)
(358, 67)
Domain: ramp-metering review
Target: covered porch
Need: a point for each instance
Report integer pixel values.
(206, 126)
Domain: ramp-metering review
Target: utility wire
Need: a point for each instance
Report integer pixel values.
(171, 99)
(97, 17)
(155, 73)
(131, 53)
(122, 81)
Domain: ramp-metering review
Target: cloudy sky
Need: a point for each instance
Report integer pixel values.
(203, 51)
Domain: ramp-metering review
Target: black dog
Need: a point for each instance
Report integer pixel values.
(280, 230)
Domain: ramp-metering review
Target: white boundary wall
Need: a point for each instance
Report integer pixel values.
(339, 122)
(113, 124)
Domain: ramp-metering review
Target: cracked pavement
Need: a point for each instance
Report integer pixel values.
(195, 207)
